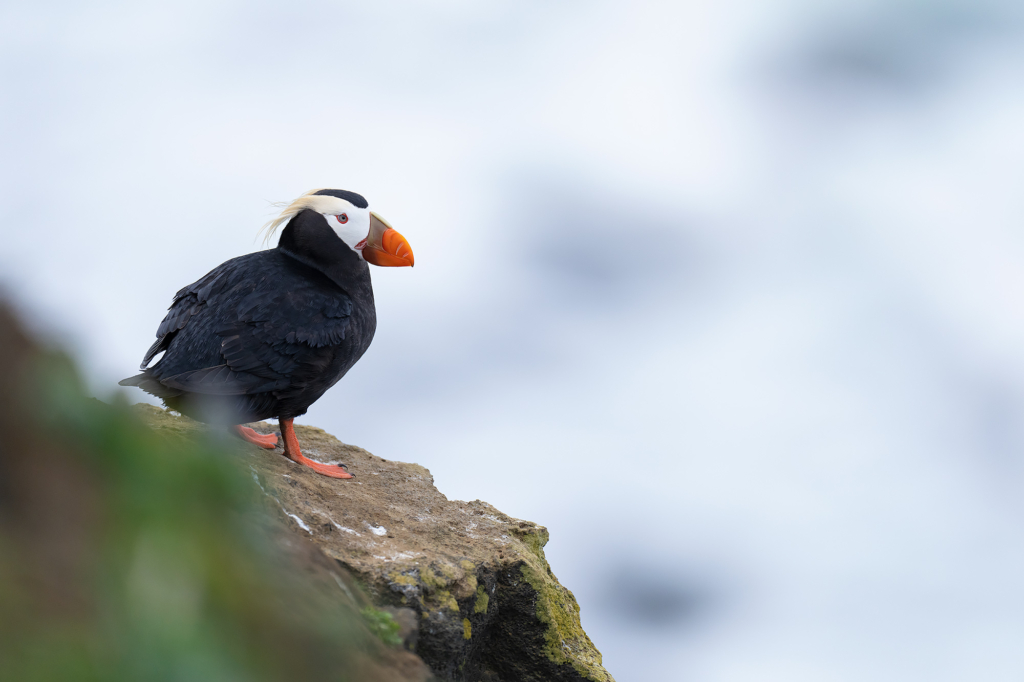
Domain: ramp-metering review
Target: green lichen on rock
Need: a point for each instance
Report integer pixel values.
(467, 629)
(466, 585)
(402, 579)
(430, 579)
(534, 537)
(482, 600)
(557, 609)
(450, 573)
(436, 586)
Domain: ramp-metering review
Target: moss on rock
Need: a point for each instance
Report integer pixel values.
(556, 607)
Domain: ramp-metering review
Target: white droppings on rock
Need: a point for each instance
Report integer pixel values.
(317, 456)
(302, 524)
(334, 523)
(377, 530)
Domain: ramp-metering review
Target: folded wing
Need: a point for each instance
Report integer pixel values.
(252, 325)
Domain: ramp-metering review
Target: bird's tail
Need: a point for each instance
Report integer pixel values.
(147, 383)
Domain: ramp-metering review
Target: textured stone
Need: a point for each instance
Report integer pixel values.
(487, 604)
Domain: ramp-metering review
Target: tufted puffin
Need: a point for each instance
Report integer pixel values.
(266, 334)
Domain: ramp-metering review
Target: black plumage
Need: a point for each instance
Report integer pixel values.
(356, 200)
(266, 334)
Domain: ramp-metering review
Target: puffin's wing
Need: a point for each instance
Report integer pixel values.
(250, 330)
(282, 337)
(202, 296)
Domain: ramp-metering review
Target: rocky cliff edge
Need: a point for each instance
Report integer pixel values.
(468, 586)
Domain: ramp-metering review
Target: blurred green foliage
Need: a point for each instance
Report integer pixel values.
(382, 624)
(130, 555)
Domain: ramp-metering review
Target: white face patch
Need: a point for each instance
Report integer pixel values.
(352, 226)
(349, 222)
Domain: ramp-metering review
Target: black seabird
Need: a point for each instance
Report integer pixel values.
(266, 334)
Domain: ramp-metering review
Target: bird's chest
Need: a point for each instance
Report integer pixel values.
(357, 340)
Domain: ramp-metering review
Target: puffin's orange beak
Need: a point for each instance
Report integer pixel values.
(384, 246)
(394, 251)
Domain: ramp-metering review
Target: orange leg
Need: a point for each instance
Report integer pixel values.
(245, 433)
(292, 452)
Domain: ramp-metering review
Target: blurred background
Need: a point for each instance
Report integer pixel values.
(726, 294)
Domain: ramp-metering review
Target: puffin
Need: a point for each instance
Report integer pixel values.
(266, 334)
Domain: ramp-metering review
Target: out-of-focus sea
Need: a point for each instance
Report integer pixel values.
(728, 295)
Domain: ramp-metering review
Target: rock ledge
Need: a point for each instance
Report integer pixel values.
(469, 585)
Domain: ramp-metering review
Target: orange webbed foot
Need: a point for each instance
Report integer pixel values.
(324, 469)
(268, 441)
(294, 453)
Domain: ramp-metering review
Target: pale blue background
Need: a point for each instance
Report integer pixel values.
(728, 294)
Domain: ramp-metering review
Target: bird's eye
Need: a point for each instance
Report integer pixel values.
(343, 218)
